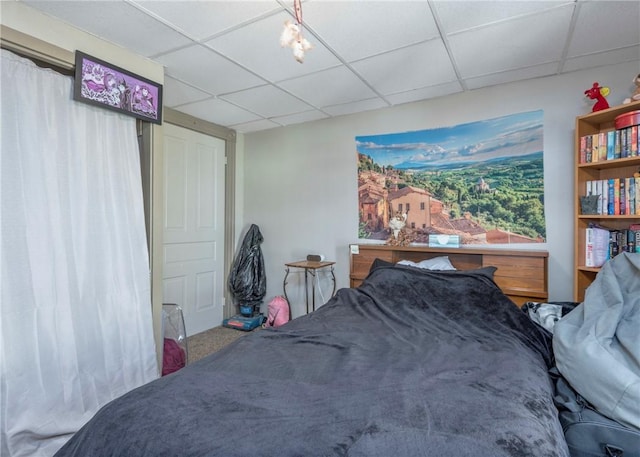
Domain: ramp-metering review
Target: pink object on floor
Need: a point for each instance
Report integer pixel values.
(173, 357)
(278, 312)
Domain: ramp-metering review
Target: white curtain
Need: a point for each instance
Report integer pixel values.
(75, 320)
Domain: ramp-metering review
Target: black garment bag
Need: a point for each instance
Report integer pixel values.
(247, 279)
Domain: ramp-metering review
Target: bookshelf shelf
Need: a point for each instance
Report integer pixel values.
(606, 217)
(599, 124)
(608, 164)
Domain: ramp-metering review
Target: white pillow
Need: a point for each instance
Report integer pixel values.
(437, 263)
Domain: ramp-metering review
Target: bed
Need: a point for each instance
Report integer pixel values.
(521, 274)
(412, 362)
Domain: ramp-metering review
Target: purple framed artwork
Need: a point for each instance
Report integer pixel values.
(102, 84)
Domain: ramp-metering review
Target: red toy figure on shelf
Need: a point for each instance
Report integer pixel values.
(598, 93)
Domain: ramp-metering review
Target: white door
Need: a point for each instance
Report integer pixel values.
(194, 166)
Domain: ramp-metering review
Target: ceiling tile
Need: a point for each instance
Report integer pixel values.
(255, 126)
(177, 93)
(257, 47)
(299, 118)
(219, 112)
(456, 16)
(513, 44)
(425, 93)
(601, 59)
(268, 101)
(409, 68)
(329, 87)
(519, 74)
(355, 107)
(604, 26)
(214, 73)
(116, 21)
(204, 19)
(346, 26)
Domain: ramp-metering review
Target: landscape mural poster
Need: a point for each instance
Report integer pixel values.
(482, 181)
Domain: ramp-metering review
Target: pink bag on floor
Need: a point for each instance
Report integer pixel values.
(278, 312)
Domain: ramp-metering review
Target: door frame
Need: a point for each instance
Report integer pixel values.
(152, 164)
(229, 136)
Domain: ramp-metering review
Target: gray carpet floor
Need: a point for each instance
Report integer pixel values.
(202, 344)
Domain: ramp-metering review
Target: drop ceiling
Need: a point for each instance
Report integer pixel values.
(223, 61)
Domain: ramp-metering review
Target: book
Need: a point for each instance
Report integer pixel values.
(613, 244)
(587, 149)
(624, 143)
(596, 246)
(583, 149)
(635, 229)
(602, 147)
(631, 241)
(605, 197)
(616, 196)
(637, 181)
(622, 240)
(634, 141)
(595, 147)
(611, 144)
(616, 149)
(610, 200)
(598, 192)
(623, 196)
(631, 195)
(589, 261)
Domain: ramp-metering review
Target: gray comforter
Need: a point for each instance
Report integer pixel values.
(412, 363)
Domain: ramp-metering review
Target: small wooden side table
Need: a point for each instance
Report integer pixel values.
(310, 269)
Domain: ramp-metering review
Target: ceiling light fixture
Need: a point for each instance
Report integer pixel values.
(292, 35)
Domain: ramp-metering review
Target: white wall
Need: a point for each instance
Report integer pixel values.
(300, 181)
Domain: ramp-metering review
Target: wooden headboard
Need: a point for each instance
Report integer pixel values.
(521, 274)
